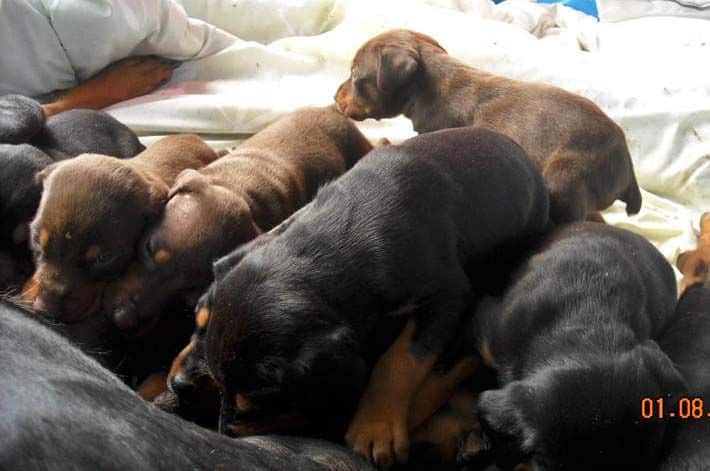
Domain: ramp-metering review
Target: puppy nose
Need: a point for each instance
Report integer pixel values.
(181, 385)
(125, 317)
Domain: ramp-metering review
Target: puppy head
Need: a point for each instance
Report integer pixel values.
(19, 193)
(200, 222)
(92, 212)
(382, 73)
(582, 417)
(694, 264)
(282, 362)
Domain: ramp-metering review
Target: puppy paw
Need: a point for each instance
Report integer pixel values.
(381, 439)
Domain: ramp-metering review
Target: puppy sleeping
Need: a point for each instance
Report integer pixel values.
(573, 341)
(212, 211)
(293, 329)
(28, 144)
(580, 151)
(92, 212)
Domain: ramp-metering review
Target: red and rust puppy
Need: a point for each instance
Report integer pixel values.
(292, 321)
(695, 264)
(687, 343)
(212, 211)
(574, 344)
(581, 152)
(93, 210)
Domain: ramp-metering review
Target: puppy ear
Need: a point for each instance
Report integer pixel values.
(681, 261)
(189, 181)
(502, 415)
(330, 361)
(395, 68)
(665, 373)
(42, 175)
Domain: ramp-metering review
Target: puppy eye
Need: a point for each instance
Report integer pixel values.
(103, 259)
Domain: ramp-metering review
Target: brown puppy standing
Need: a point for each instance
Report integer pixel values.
(212, 211)
(92, 212)
(581, 152)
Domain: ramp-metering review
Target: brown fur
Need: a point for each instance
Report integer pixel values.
(93, 210)
(694, 264)
(212, 211)
(582, 153)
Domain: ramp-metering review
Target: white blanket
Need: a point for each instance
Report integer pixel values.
(647, 74)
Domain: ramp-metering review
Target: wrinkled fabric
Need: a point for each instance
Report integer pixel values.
(50, 45)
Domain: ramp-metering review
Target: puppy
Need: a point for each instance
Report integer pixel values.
(694, 264)
(62, 410)
(573, 343)
(29, 143)
(212, 211)
(294, 321)
(93, 210)
(687, 343)
(581, 152)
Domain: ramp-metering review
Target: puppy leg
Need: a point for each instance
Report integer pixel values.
(123, 80)
(437, 390)
(379, 428)
(153, 386)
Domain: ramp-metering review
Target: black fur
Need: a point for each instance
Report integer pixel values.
(687, 343)
(59, 409)
(20, 119)
(296, 321)
(573, 341)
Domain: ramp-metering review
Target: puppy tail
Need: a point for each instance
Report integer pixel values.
(632, 196)
(21, 118)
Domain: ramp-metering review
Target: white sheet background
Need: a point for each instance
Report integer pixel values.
(649, 74)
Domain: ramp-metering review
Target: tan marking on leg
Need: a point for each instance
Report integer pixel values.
(243, 404)
(379, 428)
(487, 356)
(162, 256)
(43, 238)
(202, 317)
(30, 291)
(438, 389)
(449, 428)
(179, 360)
(152, 386)
(596, 217)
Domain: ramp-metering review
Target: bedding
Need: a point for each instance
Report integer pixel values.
(290, 53)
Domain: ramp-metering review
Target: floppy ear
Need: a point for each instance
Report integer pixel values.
(662, 368)
(682, 259)
(221, 267)
(42, 175)
(501, 412)
(189, 181)
(396, 67)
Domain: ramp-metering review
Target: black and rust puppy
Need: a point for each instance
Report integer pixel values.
(62, 410)
(687, 343)
(292, 322)
(93, 210)
(213, 210)
(580, 151)
(29, 143)
(573, 343)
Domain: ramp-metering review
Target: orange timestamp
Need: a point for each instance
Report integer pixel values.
(684, 408)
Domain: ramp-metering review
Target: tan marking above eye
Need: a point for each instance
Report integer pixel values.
(162, 256)
(243, 404)
(43, 237)
(92, 252)
(202, 317)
